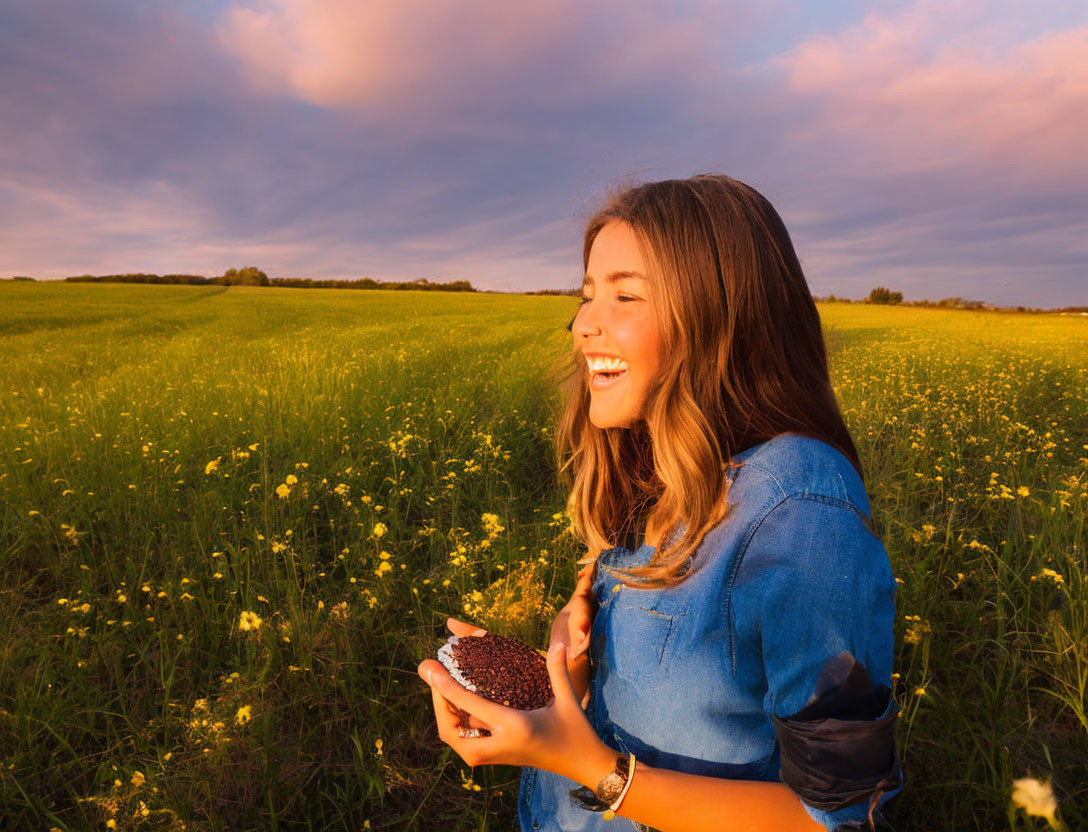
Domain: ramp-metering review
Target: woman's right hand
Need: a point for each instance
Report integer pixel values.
(572, 627)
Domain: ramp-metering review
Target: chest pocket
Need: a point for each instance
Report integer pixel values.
(642, 633)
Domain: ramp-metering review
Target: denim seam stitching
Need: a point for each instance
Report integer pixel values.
(842, 482)
(748, 535)
(769, 473)
(652, 680)
(810, 496)
(816, 497)
(527, 798)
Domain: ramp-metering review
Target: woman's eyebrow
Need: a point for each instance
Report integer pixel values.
(614, 276)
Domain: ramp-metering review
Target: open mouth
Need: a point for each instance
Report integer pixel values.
(601, 381)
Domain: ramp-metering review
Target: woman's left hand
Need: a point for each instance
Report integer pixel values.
(557, 737)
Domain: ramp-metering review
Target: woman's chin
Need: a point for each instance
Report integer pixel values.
(608, 420)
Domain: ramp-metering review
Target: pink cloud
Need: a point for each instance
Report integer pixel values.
(938, 86)
(434, 58)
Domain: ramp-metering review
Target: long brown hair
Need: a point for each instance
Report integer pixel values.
(743, 360)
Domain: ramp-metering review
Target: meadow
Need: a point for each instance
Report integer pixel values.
(235, 520)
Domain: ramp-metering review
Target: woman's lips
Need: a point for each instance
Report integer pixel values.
(599, 381)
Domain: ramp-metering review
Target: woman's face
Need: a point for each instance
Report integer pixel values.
(616, 320)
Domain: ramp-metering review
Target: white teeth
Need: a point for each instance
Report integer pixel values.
(606, 365)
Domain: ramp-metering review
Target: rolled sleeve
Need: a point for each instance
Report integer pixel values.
(815, 595)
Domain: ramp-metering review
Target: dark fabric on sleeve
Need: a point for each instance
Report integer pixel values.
(840, 748)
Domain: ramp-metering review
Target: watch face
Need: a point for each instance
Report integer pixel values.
(612, 784)
(610, 787)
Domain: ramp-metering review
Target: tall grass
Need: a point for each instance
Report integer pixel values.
(349, 468)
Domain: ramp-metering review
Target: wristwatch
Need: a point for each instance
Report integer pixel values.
(609, 789)
(612, 783)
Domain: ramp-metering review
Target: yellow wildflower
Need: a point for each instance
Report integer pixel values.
(282, 490)
(1036, 798)
(243, 715)
(491, 524)
(138, 779)
(211, 466)
(1023, 491)
(249, 621)
(290, 479)
(379, 529)
(916, 631)
(1054, 576)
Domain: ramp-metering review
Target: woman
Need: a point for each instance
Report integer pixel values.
(733, 670)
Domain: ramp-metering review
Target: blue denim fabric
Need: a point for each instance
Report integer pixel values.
(687, 678)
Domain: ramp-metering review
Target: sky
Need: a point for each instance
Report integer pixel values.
(936, 148)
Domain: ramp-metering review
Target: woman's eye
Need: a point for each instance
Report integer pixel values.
(618, 297)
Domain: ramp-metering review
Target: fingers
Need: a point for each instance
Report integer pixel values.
(571, 628)
(562, 686)
(461, 628)
(574, 639)
(450, 719)
(585, 575)
(577, 648)
(579, 627)
(445, 716)
(448, 687)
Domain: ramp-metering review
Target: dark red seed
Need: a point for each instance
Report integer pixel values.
(504, 669)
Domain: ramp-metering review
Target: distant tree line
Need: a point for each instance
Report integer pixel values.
(193, 279)
(883, 295)
(252, 276)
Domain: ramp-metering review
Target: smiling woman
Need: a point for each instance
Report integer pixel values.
(622, 347)
(732, 671)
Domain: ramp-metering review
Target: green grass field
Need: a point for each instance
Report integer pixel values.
(347, 468)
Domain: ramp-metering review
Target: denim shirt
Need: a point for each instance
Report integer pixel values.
(689, 677)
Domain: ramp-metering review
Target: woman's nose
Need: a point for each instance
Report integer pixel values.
(582, 322)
